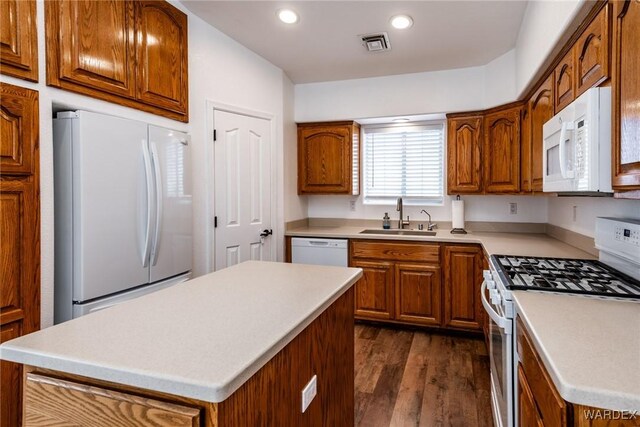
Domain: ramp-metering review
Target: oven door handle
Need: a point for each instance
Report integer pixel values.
(502, 322)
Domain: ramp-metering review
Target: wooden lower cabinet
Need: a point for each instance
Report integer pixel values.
(418, 294)
(528, 413)
(462, 282)
(404, 283)
(374, 292)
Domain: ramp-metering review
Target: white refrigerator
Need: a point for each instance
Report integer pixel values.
(123, 211)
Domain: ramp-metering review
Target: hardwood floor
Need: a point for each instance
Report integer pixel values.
(414, 378)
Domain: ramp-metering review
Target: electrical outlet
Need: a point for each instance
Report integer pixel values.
(513, 208)
(309, 392)
(352, 205)
(575, 213)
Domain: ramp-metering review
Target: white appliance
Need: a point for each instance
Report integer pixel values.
(320, 251)
(577, 145)
(615, 276)
(123, 216)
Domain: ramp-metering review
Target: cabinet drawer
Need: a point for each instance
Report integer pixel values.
(396, 251)
(52, 401)
(549, 403)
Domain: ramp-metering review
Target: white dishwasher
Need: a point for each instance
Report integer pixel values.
(320, 251)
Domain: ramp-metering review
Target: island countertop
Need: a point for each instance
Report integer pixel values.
(202, 339)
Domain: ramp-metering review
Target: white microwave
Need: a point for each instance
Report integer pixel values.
(577, 146)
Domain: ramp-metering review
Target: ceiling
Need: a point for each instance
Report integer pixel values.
(324, 46)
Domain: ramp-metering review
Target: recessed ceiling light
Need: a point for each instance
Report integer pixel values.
(401, 120)
(288, 16)
(401, 21)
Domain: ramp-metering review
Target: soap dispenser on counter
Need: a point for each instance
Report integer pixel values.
(386, 221)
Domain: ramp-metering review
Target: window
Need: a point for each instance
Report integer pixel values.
(405, 161)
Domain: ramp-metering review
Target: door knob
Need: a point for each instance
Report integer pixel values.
(266, 232)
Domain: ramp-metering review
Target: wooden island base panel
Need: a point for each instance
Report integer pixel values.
(271, 397)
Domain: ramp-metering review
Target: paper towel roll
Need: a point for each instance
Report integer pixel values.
(457, 214)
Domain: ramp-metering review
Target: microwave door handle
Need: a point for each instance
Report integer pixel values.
(502, 322)
(566, 126)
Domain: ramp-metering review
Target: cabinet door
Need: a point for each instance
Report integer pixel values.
(324, 159)
(90, 44)
(540, 111)
(161, 54)
(462, 281)
(626, 96)
(591, 53)
(18, 39)
(527, 411)
(464, 142)
(374, 291)
(10, 381)
(525, 150)
(502, 151)
(418, 293)
(564, 85)
(20, 231)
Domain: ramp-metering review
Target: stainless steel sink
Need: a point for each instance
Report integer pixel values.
(397, 232)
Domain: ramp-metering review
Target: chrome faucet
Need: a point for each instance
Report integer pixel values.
(430, 225)
(401, 223)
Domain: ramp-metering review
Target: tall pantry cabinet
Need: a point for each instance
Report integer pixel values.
(19, 234)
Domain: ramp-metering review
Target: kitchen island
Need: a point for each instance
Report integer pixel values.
(235, 347)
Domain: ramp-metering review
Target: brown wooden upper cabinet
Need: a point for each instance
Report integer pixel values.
(328, 158)
(591, 53)
(540, 111)
(626, 96)
(502, 150)
(464, 150)
(525, 149)
(18, 39)
(564, 84)
(132, 53)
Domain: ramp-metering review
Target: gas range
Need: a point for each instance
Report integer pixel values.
(574, 276)
(615, 275)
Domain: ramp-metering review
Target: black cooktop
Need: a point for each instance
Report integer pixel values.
(576, 276)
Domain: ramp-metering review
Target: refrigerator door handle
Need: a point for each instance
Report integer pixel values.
(148, 177)
(159, 201)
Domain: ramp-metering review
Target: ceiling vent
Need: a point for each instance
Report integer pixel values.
(377, 42)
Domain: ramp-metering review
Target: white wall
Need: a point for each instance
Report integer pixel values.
(462, 89)
(542, 25)
(560, 211)
(220, 70)
(295, 207)
(477, 208)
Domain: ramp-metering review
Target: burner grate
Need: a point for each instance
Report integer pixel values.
(566, 275)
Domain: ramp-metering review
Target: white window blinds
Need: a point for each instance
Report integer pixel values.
(404, 161)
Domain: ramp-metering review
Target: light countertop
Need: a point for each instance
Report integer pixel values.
(202, 339)
(525, 244)
(590, 346)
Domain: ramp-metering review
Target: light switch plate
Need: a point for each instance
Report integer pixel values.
(309, 392)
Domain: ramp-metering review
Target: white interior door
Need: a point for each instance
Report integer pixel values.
(242, 175)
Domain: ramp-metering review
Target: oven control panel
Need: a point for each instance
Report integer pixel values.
(628, 235)
(619, 236)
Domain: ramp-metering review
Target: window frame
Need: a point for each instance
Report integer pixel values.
(396, 127)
